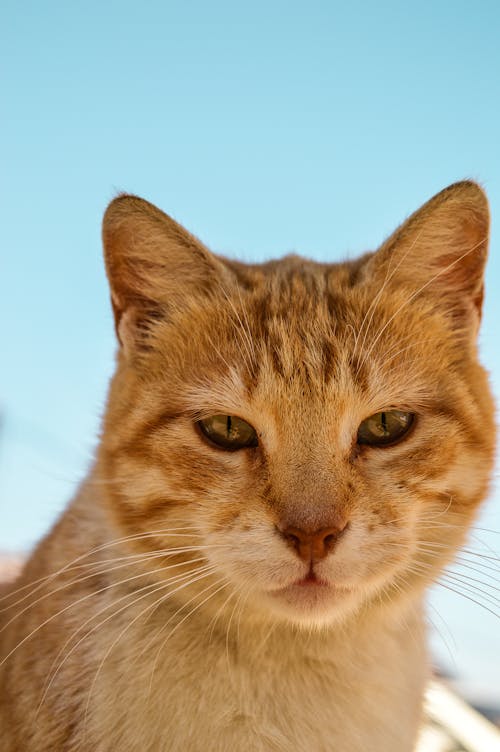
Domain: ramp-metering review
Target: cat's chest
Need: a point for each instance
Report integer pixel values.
(210, 699)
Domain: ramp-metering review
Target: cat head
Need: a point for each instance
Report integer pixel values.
(310, 437)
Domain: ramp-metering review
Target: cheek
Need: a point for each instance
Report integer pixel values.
(376, 545)
(242, 525)
(249, 551)
(378, 503)
(224, 516)
(243, 543)
(139, 495)
(389, 515)
(235, 501)
(141, 484)
(466, 477)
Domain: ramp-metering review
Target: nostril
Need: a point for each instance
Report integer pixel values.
(331, 537)
(292, 539)
(311, 545)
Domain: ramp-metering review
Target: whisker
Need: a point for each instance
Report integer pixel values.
(418, 292)
(228, 629)
(242, 606)
(478, 566)
(486, 530)
(468, 597)
(71, 605)
(439, 583)
(155, 604)
(145, 557)
(450, 652)
(244, 336)
(389, 275)
(215, 618)
(181, 622)
(164, 626)
(485, 545)
(388, 360)
(482, 556)
(109, 544)
(469, 582)
(165, 584)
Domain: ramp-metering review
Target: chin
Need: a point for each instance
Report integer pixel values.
(315, 604)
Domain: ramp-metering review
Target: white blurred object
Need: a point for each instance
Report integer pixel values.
(453, 726)
(10, 566)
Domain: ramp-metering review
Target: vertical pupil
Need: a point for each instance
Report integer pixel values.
(383, 420)
(228, 425)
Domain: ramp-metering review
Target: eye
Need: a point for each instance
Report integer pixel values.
(228, 432)
(385, 428)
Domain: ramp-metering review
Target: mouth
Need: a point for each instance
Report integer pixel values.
(310, 580)
(311, 591)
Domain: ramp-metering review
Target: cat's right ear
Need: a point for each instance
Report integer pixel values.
(154, 266)
(440, 253)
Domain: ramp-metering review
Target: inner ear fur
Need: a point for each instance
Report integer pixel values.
(440, 252)
(153, 265)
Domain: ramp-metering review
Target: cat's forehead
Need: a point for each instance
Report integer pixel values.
(294, 284)
(307, 324)
(292, 325)
(304, 342)
(299, 341)
(297, 298)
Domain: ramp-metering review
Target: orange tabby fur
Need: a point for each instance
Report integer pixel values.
(162, 612)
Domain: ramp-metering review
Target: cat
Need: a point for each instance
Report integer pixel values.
(290, 454)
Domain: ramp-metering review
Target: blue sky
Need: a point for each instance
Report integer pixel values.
(264, 128)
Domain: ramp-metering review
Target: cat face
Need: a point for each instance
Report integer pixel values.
(311, 439)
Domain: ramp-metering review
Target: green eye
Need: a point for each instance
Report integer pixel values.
(228, 432)
(385, 428)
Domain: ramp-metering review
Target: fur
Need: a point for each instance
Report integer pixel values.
(167, 610)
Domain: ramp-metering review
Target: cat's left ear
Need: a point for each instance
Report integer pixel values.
(155, 267)
(440, 253)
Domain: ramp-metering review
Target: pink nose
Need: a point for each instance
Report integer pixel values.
(316, 545)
